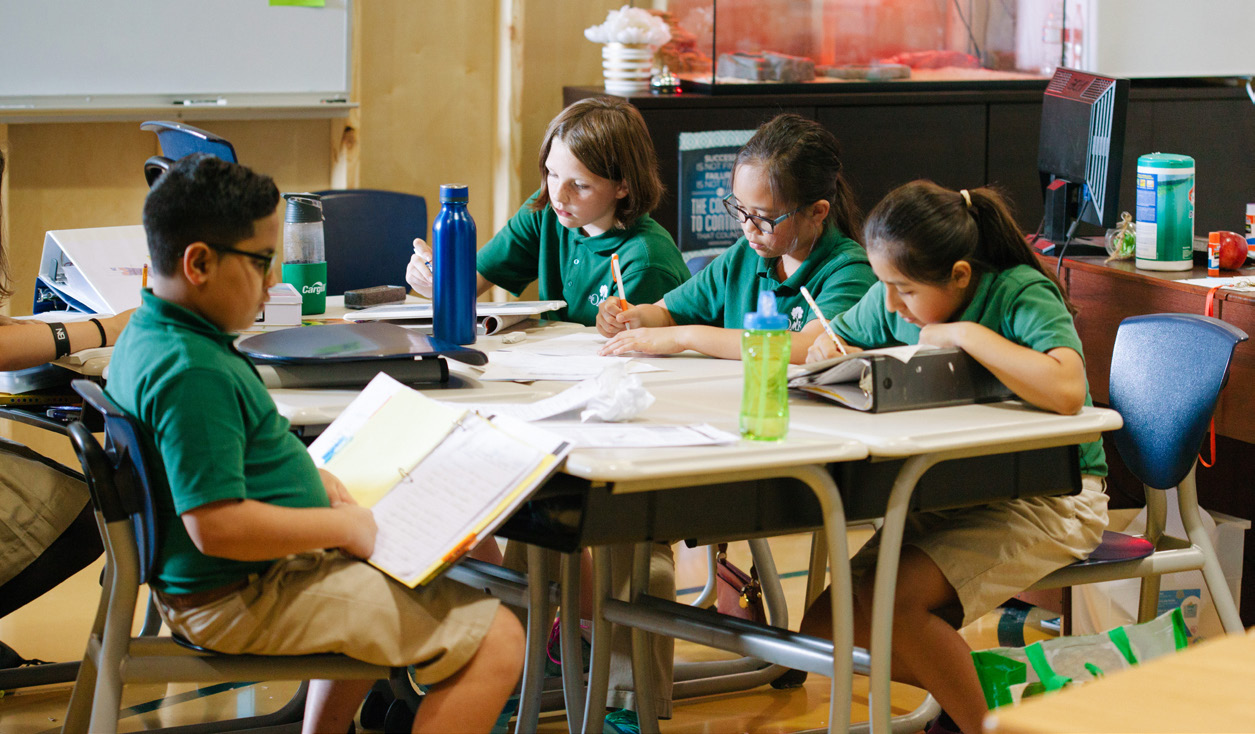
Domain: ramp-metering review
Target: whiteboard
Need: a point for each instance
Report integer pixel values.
(171, 50)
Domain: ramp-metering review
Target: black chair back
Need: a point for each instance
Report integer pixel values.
(120, 476)
(369, 236)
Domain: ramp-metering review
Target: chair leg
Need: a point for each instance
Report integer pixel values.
(1156, 524)
(78, 712)
(818, 571)
(1226, 609)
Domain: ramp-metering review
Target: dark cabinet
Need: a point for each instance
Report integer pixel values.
(971, 138)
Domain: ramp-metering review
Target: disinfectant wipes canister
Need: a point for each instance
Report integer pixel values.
(1165, 212)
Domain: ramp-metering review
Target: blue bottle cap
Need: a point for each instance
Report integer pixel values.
(766, 318)
(453, 193)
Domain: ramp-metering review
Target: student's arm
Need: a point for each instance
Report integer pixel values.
(248, 530)
(29, 343)
(419, 275)
(1053, 380)
(711, 340)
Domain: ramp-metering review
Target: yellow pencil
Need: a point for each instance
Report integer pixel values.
(822, 321)
(144, 277)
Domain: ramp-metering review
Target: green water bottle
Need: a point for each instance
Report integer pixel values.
(765, 357)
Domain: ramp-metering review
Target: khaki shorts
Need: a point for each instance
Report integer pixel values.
(327, 602)
(992, 552)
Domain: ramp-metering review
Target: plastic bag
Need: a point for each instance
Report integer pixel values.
(1121, 242)
(1009, 674)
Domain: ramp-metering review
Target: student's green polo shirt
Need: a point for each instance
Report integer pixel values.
(836, 273)
(573, 267)
(216, 429)
(1019, 303)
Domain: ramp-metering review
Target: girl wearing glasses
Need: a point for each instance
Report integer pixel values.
(600, 181)
(798, 218)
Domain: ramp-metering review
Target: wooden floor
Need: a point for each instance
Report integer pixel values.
(55, 628)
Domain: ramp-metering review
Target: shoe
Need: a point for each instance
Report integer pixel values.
(943, 724)
(507, 712)
(623, 721)
(553, 665)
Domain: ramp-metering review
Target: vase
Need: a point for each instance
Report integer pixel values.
(627, 67)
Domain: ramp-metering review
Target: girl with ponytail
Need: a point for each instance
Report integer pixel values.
(955, 271)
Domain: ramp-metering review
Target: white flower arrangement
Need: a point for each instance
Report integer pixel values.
(630, 25)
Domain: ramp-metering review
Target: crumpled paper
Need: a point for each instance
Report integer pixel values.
(620, 396)
(630, 25)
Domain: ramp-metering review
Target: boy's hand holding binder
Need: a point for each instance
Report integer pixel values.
(437, 479)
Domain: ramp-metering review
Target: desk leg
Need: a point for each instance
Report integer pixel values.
(599, 666)
(642, 675)
(572, 664)
(539, 620)
(886, 581)
(825, 489)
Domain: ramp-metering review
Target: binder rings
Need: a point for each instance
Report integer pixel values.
(881, 381)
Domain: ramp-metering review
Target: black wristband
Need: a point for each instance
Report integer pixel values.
(104, 340)
(61, 338)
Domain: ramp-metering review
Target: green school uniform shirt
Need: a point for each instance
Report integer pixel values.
(836, 273)
(217, 431)
(572, 267)
(1019, 303)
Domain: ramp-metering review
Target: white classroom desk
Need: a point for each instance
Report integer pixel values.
(700, 389)
(803, 456)
(925, 438)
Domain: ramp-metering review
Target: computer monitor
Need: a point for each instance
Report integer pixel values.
(1080, 151)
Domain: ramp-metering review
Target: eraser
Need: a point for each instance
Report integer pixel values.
(373, 296)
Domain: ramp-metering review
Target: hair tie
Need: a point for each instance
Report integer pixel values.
(966, 197)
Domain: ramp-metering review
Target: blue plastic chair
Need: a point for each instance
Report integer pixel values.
(1167, 371)
(178, 140)
(121, 480)
(369, 236)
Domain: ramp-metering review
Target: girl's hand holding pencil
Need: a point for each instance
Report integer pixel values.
(825, 348)
(613, 318)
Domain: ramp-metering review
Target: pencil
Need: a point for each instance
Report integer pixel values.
(822, 321)
(144, 277)
(618, 279)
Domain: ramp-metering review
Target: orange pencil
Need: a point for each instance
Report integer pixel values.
(618, 279)
(144, 277)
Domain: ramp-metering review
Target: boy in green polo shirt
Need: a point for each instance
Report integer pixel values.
(600, 183)
(797, 215)
(241, 566)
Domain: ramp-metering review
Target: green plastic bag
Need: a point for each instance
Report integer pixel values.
(1010, 674)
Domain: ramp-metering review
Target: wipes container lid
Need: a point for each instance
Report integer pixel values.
(766, 318)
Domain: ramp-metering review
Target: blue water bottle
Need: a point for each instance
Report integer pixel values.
(453, 268)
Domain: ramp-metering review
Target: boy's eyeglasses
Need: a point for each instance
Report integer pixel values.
(265, 262)
(762, 224)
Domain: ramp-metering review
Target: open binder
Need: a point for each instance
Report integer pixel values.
(490, 317)
(901, 378)
(94, 270)
(438, 479)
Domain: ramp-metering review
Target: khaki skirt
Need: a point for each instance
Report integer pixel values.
(992, 552)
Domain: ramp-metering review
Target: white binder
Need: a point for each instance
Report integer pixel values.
(96, 270)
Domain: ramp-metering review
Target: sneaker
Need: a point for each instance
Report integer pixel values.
(943, 724)
(623, 721)
(553, 650)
